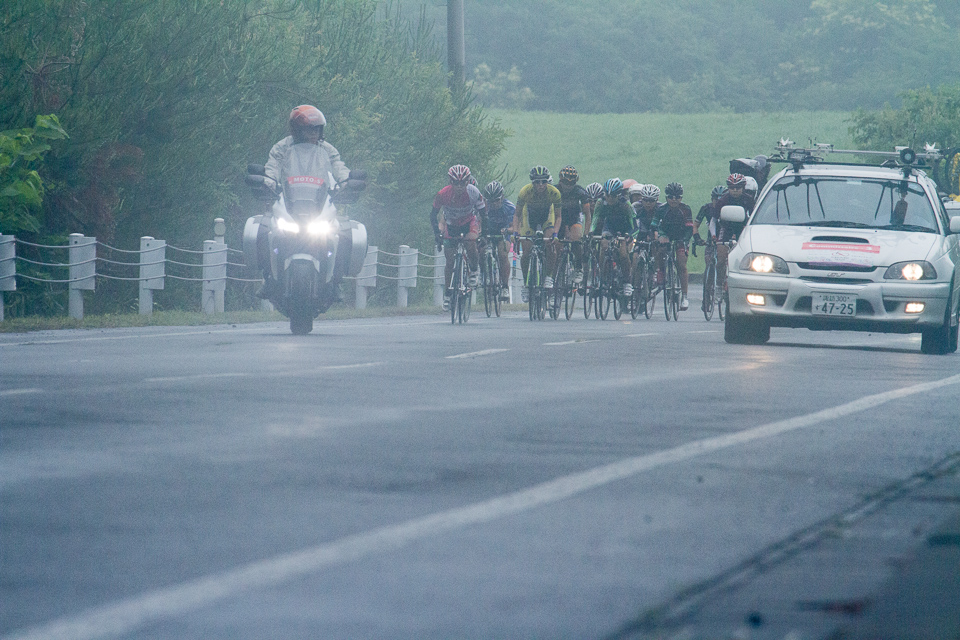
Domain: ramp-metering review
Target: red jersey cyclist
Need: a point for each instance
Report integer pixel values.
(456, 210)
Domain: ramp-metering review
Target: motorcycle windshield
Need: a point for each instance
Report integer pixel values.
(305, 175)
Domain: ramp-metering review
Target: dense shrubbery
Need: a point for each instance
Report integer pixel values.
(165, 103)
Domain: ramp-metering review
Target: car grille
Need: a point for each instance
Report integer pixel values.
(816, 280)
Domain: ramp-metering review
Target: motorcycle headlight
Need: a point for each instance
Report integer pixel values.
(916, 270)
(764, 263)
(320, 227)
(287, 226)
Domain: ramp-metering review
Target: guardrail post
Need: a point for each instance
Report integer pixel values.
(153, 254)
(406, 273)
(367, 278)
(83, 271)
(219, 231)
(8, 267)
(214, 276)
(439, 280)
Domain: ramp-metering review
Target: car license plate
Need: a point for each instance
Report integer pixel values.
(834, 304)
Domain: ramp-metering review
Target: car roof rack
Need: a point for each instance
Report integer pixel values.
(902, 157)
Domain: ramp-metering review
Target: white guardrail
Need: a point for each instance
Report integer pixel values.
(211, 266)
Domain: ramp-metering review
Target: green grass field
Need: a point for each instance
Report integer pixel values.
(694, 150)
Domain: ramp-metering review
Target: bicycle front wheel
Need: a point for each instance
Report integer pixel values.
(674, 290)
(709, 287)
(639, 297)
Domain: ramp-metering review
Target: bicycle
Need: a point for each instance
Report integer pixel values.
(644, 269)
(460, 289)
(564, 291)
(611, 280)
(490, 274)
(590, 287)
(671, 281)
(713, 293)
(536, 293)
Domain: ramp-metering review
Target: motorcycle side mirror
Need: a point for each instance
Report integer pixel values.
(358, 174)
(345, 196)
(256, 169)
(354, 185)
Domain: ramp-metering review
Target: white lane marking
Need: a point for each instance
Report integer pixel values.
(19, 392)
(128, 615)
(474, 354)
(271, 374)
(711, 331)
(640, 335)
(135, 336)
(560, 344)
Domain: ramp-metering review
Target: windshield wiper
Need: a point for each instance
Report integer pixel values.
(833, 223)
(908, 227)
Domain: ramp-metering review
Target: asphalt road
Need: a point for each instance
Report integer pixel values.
(405, 478)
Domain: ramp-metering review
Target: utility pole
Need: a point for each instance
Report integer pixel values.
(455, 47)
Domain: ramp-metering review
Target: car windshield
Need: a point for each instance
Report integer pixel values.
(848, 203)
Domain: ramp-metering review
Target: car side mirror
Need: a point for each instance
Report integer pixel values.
(955, 224)
(733, 213)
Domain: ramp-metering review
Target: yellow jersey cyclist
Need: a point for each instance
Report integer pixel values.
(574, 206)
(615, 215)
(538, 205)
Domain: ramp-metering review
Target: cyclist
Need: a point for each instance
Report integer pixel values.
(647, 207)
(497, 220)
(538, 206)
(614, 215)
(574, 205)
(594, 193)
(673, 221)
(729, 231)
(709, 212)
(456, 210)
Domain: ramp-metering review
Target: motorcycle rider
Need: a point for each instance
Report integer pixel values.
(306, 124)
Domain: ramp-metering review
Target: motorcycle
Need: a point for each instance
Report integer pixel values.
(306, 245)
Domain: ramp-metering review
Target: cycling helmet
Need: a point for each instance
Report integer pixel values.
(718, 191)
(539, 172)
(471, 180)
(595, 190)
(629, 182)
(751, 186)
(569, 174)
(493, 191)
(635, 189)
(650, 192)
(736, 180)
(613, 187)
(459, 173)
(674, 189)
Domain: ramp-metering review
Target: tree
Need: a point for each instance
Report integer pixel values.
(21, 188)
(927, 117)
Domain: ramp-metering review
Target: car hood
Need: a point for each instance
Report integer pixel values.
(840, 247)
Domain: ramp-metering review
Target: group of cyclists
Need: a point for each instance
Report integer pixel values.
(567, 211)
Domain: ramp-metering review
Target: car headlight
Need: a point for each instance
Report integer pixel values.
(916, 270)
(764, 263)
(287, 226)
(320, 227)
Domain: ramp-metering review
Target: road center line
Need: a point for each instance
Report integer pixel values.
(128, 615)
(561, 344)
(474, 354)
(639, 335)
(19, 392)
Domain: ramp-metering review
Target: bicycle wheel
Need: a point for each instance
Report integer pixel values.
(721, 302)
(604, 290)
(532, 288)
(709, 288)
(466, 301)
(488, 281)
(570, 292)
(455, 282)
(651, 289)
(616, 293)
(667, 287)
(675, 289)
(639, 298)
(591, 277)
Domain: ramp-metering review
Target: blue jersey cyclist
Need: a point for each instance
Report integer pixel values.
(497, 219)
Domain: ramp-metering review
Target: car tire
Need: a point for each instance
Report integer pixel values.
(745, 330)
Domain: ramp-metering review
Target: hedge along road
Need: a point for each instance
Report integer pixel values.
(408, 478)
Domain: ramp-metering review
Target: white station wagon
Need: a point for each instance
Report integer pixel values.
(851, 247)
